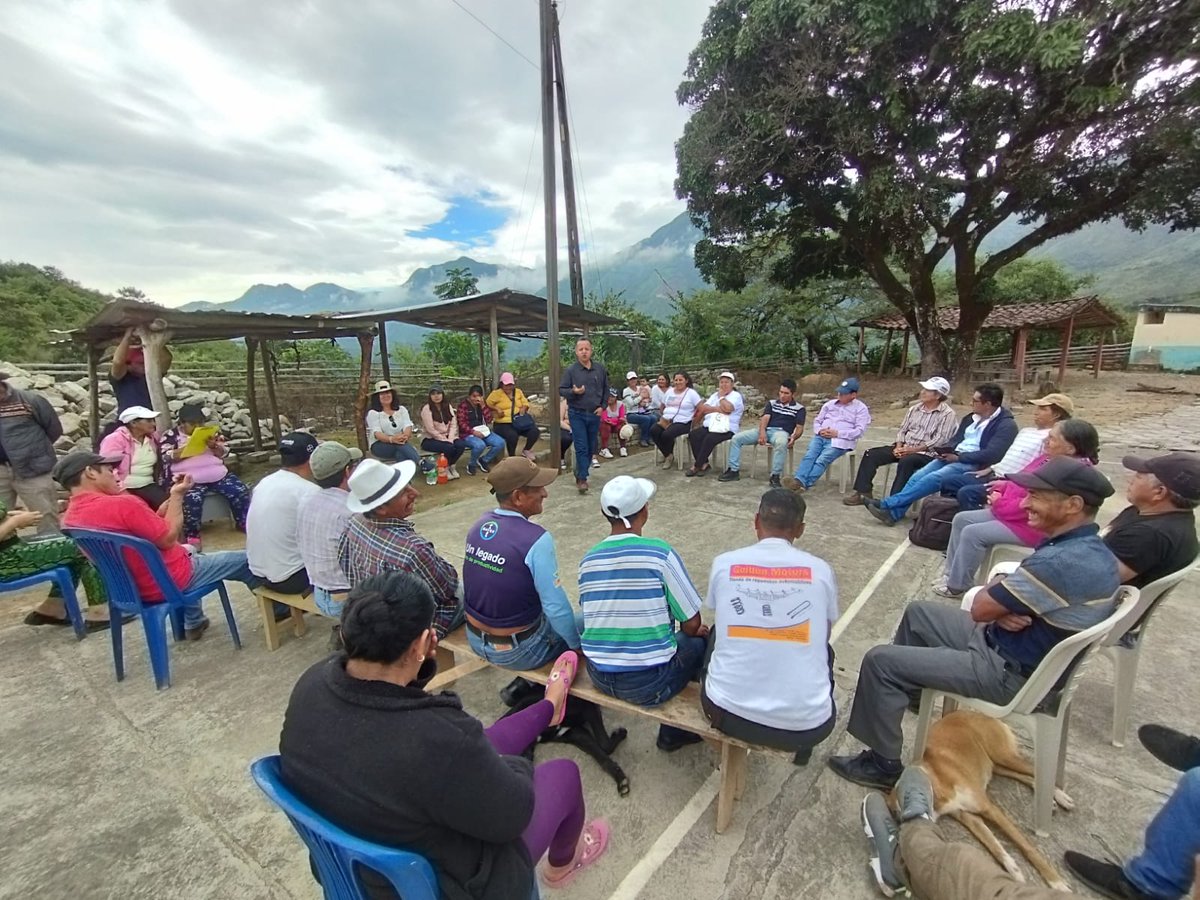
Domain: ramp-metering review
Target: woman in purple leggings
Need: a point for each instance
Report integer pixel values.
(366, 746)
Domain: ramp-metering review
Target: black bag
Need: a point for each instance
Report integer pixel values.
(523, 422)
(932, 529)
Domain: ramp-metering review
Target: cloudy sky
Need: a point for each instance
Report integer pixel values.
(194, 147)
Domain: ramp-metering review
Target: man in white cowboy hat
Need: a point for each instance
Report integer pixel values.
(381, 538)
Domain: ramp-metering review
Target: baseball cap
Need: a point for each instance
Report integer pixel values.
(727, 374)
(630, 374)
(132, 413)
(191, 412)
(72, 464)
(296, 447)
(1069, 476)
(330, 458)
(849, 386)
(507, 378)
(374, 483)
(1062, 401)
(381, 386)
(936, 383)
(613, 392)
(516, 472)
(625, 496)
(1179, 472)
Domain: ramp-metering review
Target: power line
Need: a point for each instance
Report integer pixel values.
(497, 34)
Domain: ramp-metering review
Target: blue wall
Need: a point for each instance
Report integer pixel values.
(1176, 359)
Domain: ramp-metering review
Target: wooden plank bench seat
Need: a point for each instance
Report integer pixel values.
(456, 659)
(299, 603)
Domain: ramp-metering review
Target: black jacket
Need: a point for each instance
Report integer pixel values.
(408, 769)
(29, 427)
(594, 381)
(998, 435)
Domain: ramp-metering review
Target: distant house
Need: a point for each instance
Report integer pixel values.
(1167, 335)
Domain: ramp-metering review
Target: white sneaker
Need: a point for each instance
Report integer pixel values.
(606, 453)
(595, 463)
(624, 452)
(452, 473)
(562, 467)
(668, 463)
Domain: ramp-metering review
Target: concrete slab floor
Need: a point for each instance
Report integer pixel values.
(116, 790)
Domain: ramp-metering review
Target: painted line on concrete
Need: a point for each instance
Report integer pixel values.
(639, 876)
(868, 589)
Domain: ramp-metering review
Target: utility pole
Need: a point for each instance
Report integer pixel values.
(574, 266)
(547, 20)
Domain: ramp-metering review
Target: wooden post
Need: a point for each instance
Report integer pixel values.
(365, 342)
(887, 348)
(252, 393)
(384, 363)
(1020, 339)
(904, 352)
(1099, 354)
(155, 336)
(862, 336)
(483, 379)
(268, 363)
(93, 363)
(495, 335)
(1066, 349)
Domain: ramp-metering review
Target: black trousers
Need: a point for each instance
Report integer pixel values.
(452, 450)
(877, 457)
(665, 437)
(704, 442)
(511, 435)
(153, 495)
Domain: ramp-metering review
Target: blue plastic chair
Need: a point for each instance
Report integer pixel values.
(61, 576)
(336, 852)
(106, 550)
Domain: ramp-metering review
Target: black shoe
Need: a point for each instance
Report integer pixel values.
(471, 470)
(729, 475)
(196, 632)
(776, 481)
(865, 770)
(483, 467)
(881, 514)
(1174, 748)
(671, 739)
(1105, 878)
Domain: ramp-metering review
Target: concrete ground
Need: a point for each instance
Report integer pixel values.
(116, 790)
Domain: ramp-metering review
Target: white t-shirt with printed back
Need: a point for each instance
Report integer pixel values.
(272, 544)
(775, 606)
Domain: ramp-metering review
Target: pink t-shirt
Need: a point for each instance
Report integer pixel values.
(129, 514)
(203, 467)
(1006, 508)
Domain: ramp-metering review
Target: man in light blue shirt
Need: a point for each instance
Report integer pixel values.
(518, 615)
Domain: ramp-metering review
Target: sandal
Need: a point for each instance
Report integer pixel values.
(592, 844)
(564, 670)
(39, 618)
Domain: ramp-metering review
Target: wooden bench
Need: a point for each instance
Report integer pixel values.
(299, 603)
(456, 659)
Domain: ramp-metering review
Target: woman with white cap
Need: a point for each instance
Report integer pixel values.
(722, 413)
(136, 443)
(389, 426)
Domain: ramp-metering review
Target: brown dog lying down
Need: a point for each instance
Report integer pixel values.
(965, 749)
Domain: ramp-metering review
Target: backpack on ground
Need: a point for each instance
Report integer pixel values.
(932, 528)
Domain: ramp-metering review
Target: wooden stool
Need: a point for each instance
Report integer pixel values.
(299, 603)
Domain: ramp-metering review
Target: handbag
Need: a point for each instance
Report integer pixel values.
(720, 424)
(664, 423)
(523, 422)
(934, 521)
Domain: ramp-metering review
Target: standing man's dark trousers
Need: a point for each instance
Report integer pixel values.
(936, 646)
(876, 457)
(585, 428)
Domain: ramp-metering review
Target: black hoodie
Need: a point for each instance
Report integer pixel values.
(408, 769)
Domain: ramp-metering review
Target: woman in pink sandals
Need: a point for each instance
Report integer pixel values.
(366, 746)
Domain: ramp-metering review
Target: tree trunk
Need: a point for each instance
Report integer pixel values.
(924, 322)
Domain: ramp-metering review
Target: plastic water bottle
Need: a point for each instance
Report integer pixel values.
(443, 469)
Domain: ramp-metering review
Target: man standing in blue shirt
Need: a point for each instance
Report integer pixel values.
(518, 615)
(989, 652)
(584, 384)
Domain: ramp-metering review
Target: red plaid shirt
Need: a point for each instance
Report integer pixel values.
(471, 417)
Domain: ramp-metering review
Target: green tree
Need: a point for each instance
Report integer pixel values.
(884, 136)
(456, 353)
(459, 283)
(35, 303)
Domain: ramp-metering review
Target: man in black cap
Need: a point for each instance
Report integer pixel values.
(272, 545)
(1156, 534)
(990, 651)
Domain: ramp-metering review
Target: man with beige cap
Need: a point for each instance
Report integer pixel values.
(322, 520)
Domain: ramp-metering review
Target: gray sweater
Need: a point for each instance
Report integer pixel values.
(29, 427)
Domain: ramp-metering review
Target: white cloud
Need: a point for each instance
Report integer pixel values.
(193, 148)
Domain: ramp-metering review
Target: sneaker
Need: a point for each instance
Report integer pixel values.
(1174, 748)
(606, 453)
(671, 739)
(881, 515)
(865, 770)
(729, 475)
(884, 835)
(856, 499)
(196, 632)
(668, 463)
(623, 452)
(472, 469)
(775, 481)
(452, 473)
(483, 467)
(944, 590)
(1107, 879)
(914, 794)
(595, 463)
(529, 455)
(562, 466)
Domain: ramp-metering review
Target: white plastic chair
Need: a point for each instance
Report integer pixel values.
(848, 461)
(789, 468)
(1124, 647)
(1003, 553)
(1037, 707)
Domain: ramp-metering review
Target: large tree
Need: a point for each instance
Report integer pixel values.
(886, 136)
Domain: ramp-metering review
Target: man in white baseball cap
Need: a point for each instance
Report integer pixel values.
(381, 538)
(930, 422)
(633, 591)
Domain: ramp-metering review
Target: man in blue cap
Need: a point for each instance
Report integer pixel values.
(837, 428)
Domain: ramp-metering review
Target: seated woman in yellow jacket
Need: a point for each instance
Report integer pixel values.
(510, 416)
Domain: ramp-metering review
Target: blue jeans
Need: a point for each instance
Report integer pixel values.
(928, 480)
(644, 422)
(1164, 868)
(493, 444)
(326, 604)
(776, 437)
(543, 646)
(821, 453)
(208, 568)
(395, 452)
(585, 427)
(657, 684)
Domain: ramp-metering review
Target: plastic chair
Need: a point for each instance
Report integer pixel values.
(848, 462)
(789, 466)
(61, 576)
(999, 554)
(336, 852)
(108, 552)
(1124, 647)
(1042, 706)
